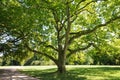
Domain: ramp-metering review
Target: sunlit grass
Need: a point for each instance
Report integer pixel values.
(74, 72)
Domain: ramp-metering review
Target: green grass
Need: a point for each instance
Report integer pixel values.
(75, 73)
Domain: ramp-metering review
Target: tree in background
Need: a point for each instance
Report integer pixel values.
(107, 54)
(60, 28)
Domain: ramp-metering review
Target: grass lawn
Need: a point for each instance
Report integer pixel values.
(74, 72)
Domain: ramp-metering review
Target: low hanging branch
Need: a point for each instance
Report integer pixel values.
(39, 52)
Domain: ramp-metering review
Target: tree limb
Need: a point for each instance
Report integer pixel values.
(79, 3)
(77, 11)
(78, 49)
(81, 9)
(39, 52)
(68, 28)
(50, 46)
(55, 18)
(84, 32)
(76, 15)
(85, 5)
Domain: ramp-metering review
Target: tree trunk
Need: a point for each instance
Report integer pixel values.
(62, 50)
(61, 63)
(61, 68)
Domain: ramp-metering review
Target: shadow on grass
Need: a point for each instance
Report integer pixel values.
(101, 73)
(1, 71)
(50, 74)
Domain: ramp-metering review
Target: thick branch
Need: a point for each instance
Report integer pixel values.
(85, 32)
(21, 36)
(44, 54)
(68, 28)
(59, 25)
(50, 46)
(78, 49)
(79, 3)
(55, 18)
(81, 9)
(86, 5)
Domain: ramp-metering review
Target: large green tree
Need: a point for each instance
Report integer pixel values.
(59, 28)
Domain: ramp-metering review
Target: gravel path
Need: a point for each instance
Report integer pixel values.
(13, 74)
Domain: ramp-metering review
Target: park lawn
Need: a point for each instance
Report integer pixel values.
(74, 73)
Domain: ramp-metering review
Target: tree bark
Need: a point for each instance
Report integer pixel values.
(61, 68)
(61, 62)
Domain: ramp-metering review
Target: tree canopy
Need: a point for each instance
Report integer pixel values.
(58, 29)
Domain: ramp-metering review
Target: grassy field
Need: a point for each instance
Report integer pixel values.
(74, 72)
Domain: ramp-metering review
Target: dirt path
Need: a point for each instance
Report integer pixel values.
(13, 74)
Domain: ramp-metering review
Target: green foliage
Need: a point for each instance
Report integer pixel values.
(80, 59)
(108, 54)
